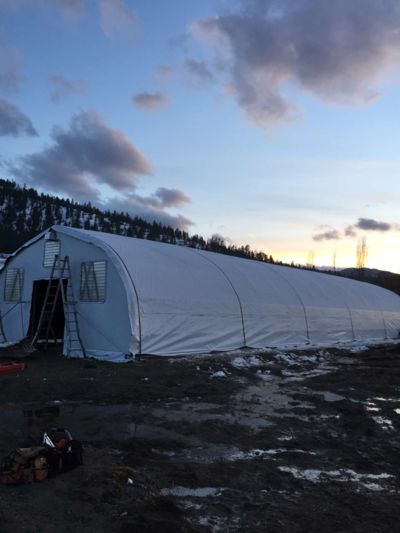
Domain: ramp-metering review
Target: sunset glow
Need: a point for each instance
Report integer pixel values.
(240, 118)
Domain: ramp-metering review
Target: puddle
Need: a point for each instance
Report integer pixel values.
(196, 413)
(87, 421)
(214, 453)
(259, 405)
(252, 407)
(184, 492)
(208, 454)
(256, 407)
(345, 360)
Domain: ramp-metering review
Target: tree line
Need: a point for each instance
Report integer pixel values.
(24, 213)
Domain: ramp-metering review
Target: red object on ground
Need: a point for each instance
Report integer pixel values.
(5, 368)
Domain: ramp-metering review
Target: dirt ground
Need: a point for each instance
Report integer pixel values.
(271, 442)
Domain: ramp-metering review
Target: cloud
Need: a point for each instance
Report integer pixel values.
(171, 197)
(162, 199)
(329, 235)
(199, 72)
(350, 232)
(62, 87)
(146, 207)
(89, 152)
(150, 101)
(369, 224)
(116, 19)
(13, 122)
(337, 50)
(10, 65)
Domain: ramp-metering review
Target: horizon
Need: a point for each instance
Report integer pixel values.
(250, 120)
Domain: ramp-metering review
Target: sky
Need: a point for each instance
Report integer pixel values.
(273, 123)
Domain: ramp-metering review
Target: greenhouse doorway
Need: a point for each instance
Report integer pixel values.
(56, 333)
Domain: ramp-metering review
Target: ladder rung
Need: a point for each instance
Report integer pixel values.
(60, 273)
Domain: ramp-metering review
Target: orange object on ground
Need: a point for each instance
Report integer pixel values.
(5, 368)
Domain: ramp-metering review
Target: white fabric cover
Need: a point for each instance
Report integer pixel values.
(183, 300)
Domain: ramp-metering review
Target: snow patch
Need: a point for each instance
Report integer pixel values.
(258, 453)
(301, 376)
(219, 374)
(246, 362)
(373, 486)
(345, 474)
(381, 399)
(385, 423)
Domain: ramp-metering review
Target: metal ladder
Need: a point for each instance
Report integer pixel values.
(60, 272)
(3, 338)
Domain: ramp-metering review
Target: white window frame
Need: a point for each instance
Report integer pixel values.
(13, 285)
(48, 255)
(93, 282)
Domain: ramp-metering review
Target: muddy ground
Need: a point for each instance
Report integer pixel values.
(271, 442)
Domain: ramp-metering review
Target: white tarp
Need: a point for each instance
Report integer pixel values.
(185, 300)
(167, 300)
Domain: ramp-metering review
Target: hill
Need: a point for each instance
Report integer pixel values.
(24, 213)
(388, 280)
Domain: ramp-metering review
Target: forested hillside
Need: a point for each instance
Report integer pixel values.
(389, 280)
(24, 213)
